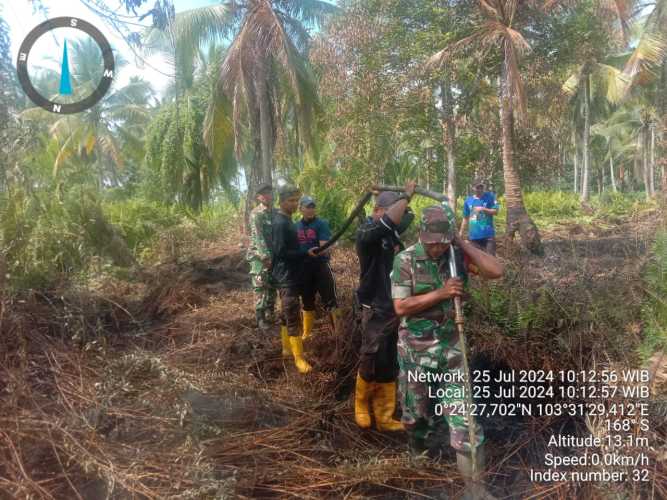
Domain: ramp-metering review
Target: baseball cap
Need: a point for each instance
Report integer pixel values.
(437, 224)
(263, 188)
(386, 199)
(478, 182)
(306, 201)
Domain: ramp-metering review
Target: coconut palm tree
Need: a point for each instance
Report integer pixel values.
(264, 73)
(618, 134)
(629, 130)
(592, 80)
(497, 30)
(649, 55)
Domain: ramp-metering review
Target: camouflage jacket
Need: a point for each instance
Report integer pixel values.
(415, 273)
(260, 233)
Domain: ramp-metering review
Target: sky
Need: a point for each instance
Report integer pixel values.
(19, 16)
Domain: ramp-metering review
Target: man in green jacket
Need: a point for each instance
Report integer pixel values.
(429, 346)
(259, 257)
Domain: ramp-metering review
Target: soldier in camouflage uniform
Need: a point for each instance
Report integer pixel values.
(428, 343)
(259, 257)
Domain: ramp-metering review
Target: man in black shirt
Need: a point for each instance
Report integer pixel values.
(288, 260)
(377, 243)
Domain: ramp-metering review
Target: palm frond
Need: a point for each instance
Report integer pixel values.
(310, 12)
(297, 32)
(650, 51)
(109, 147)
(442, 56)
(518, 42)
(65, 152)
(491, 8)
(209, 24)
(129, 112)
(218, 128)
(571, 85)
(611, 80)
(302, 83)
(191, 30)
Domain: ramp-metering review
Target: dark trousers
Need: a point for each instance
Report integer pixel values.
(487, 245)
(379, 356)
(317, 277)
(290, 310)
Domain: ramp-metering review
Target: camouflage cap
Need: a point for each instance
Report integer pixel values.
(437, 224)
(286, 191)
(263, 188)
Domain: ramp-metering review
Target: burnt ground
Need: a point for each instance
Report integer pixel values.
(163, 388)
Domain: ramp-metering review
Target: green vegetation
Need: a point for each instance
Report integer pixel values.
(360, 100)
(129, 363)
(654, 312)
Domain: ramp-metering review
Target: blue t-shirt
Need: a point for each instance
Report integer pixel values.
(480, 225)
(310, 233)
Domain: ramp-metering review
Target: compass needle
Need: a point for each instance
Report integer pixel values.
(65, 88)
(65, 83)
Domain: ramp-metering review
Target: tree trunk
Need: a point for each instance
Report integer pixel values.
(251, 183)
(662, 89)
(517, 217)
(448, 137)
(561, 162)
(637, 174)
(651, 172)
(647, 184)
(204, 181)
(576, 162)
(267, 136)
(611, 171)
(252, 166)
(586, 139)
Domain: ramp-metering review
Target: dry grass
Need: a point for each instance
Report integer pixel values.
(171, 392)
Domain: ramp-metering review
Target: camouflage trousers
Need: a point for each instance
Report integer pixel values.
(430, 405)
(265, 293)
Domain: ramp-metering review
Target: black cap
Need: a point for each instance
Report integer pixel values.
(386, 199)
(263, 188)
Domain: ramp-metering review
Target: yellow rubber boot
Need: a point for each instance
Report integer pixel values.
(284, 338)
(297, 350)
(384, 404)
(362, 411)
(308, 322)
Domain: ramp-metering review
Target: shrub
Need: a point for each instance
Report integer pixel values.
(558, 204)
(42, 238)
(140, 220)
(654, 310)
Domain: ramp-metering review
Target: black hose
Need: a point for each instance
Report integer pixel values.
(365, 198)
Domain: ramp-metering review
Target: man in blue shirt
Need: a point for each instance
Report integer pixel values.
(317, 275)
(478, 212)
